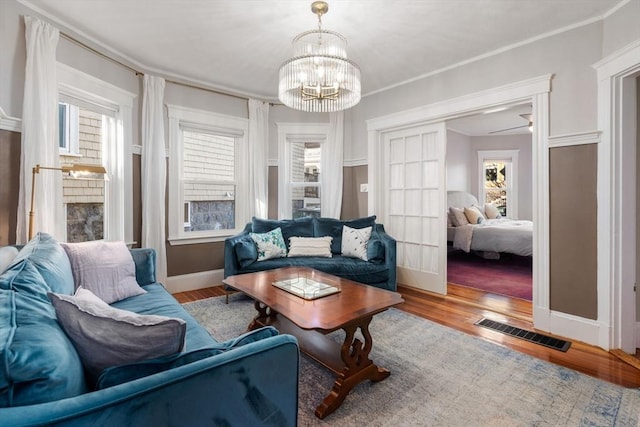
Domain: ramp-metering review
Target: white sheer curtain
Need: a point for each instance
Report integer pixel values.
(154, 172)
(331, 167)
(40, 134)
(258, 168)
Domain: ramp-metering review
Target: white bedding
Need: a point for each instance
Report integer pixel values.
(496, 235)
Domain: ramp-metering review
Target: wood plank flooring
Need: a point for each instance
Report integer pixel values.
(462, 307)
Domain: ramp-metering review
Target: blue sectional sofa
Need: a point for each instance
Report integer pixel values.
(252, 380)
(379, 270)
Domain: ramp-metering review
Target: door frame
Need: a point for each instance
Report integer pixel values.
(536, 91)
(616, 299)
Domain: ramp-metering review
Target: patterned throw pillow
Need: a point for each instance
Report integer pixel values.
(270, 244)
(355, 242)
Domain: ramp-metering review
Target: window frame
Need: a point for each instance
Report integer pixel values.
(70, 129)
(184, 118)
(506, 156)
(116, 156)
(289, 133)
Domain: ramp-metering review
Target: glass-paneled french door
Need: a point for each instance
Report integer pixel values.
(415, 204)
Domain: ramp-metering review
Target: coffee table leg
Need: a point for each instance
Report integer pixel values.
(358, 367)
(264, 317)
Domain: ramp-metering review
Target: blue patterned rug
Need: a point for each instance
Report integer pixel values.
(442, 377)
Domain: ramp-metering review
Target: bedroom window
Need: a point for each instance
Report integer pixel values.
(207, 165)
(498, 183)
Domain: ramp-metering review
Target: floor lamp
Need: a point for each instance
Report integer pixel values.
(75, 170)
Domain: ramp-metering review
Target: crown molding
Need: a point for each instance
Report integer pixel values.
(13, 124)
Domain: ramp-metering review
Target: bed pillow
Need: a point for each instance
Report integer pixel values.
(355, 242)
(105, 336)
(105, 268)
(310, 246)
(270, 244)
(491, 211)
(458, 217)
(474, 215)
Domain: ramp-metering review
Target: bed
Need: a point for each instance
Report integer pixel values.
(489, 237)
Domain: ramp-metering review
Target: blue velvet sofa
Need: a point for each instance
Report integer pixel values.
(252, 381)
(379, 270)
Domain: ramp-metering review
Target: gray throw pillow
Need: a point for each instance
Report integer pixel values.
(105, 268)
(105, 336)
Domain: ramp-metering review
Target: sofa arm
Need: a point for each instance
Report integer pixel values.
(145, 260)
(231, 265)
(231, 388)
(389, 244)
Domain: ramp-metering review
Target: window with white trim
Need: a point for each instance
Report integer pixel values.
(207, 186)
(498, 180)
(96, 127)
(300, 169)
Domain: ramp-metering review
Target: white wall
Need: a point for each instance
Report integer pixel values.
(568, 56)
(458, 162)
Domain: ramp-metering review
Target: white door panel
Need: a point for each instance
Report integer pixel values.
(415, 202)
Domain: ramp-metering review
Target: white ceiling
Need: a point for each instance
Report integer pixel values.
(239, 45)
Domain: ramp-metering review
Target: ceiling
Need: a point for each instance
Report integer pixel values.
(237, 46)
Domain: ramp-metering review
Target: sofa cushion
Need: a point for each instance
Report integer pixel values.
(50, 260)
(355, 242)
(310, 246)
(301, 227)
(38, 362)
(158, 301)
(376, 251)
(333, 227)
(246, 251)
(349, 268)
(124, 373)
(105, 268)
(105, 336)
(270, 244)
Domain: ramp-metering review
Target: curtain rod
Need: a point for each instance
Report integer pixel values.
(140, 73)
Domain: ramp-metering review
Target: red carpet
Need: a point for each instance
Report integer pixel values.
(510, 275)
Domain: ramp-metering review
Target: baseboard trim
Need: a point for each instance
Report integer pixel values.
(576, 328)
(193, 281)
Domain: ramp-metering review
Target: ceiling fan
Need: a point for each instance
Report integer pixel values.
(527, 117)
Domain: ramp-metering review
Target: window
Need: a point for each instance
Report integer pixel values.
(300, 169)
(68, 130)
(206, 164)
(96, 123)
(305, 179)
(498, 183)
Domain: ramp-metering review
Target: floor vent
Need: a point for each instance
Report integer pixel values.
(533, 337)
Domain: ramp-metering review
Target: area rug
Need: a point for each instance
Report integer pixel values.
(511, 275)
(443, 377)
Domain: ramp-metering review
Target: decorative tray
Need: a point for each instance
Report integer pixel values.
(306, 288)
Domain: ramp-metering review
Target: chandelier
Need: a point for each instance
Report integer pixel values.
(319, 77)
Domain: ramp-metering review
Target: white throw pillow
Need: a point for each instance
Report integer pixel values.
(355, 242)
(474, 215)
(491, 211)
(7, 255)
(458, 217)
(310, 246)
(105, 336)
(270, 244)
(105, 268)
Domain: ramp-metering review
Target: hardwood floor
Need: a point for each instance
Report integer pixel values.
(462, 307)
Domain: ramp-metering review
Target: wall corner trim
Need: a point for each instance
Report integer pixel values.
(13, 124)
(579, 138)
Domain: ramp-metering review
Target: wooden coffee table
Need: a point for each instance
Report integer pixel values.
(311, 320)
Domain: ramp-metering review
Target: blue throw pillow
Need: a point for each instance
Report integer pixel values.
(246, 252)
(124, 373)
(376, 251)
